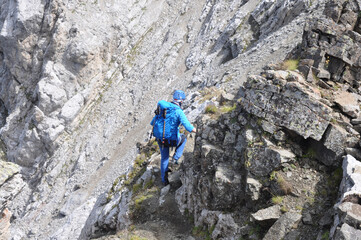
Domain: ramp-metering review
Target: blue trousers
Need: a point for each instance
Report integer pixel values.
(164, 152)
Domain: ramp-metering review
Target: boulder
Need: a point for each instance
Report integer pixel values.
(253, 188)
(79, 52)
(163, 193)
(73, 202)
(346, 232)
(355, 152)
(351, 182)
(226, 97)
(72, 107)
(269, 127)
(282, 226)
(350, 213)
(226, 180)
(229, 139)
(268, 215)
(307, 218)
(348, 103)
(263, 160)
(226, 226)
(292, 105)
(333, 145)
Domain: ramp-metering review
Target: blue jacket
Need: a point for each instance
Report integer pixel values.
(181, 119)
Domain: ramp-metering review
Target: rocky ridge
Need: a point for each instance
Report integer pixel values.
(277, 150)
(68, 127)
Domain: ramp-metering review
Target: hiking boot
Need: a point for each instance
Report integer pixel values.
(166, 182)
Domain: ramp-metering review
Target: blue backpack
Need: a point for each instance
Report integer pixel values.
(165, 125)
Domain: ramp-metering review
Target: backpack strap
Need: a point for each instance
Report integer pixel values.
(164, 116)
(156, 112)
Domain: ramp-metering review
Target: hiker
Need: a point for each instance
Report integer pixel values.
(169, 115)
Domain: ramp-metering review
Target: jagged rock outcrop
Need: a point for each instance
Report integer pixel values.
(252, 142)
(348, 219)
(317, 109)
(288, 102)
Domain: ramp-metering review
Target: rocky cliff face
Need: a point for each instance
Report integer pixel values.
(283, 143)
(79, 81)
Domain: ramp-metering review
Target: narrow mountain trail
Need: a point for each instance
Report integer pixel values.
(158, 217)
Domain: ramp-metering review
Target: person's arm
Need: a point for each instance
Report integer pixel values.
(152, 122)
(184, 121)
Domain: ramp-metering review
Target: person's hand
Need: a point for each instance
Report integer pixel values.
(194, 130)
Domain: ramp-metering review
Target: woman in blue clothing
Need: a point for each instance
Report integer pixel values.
(180, 118)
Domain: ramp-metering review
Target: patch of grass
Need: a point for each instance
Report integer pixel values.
(227, 109)
(299, 208)
(138, 169)
(228, 79)
(277, 199)
(245, 46)
(135, 49)
(140, 199)
(290, 64)
(137, 187)
(256, 229)
(323, 192)
(247, 163)
(211, 109)
(284, 209)
(149, 184)
(189, 215)
(140, 159)
(210, 93)
(135, 237)
(131, 228)
(311, 200)
(202, 233)
(326, 235)
(273, 176)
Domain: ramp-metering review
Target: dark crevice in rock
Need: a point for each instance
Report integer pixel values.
(3, 113)
(16, 80)
(166, 37)
(255, 28)
(336, 67)
(227, 54)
